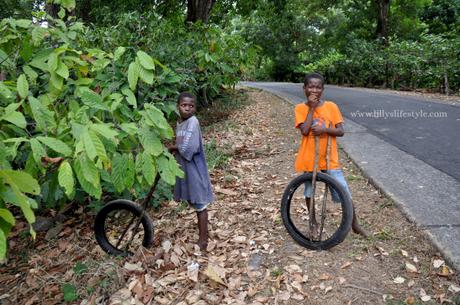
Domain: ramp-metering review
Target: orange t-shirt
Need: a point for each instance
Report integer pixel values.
(328, 113)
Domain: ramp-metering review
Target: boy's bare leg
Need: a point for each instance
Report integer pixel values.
(203, 229)
(356, 227)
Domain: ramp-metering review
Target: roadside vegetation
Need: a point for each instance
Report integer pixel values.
(88, 88)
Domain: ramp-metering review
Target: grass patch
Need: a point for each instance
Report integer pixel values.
(215, 156)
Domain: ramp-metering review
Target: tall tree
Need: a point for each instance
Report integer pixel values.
(382, 20)
(199, 10)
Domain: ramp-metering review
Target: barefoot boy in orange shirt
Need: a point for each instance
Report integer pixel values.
(317, 117)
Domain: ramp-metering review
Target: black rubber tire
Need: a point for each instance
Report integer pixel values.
(131, 207)
(347, 213)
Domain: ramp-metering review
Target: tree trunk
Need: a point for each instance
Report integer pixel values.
(199, 10)
(382, 20)
(52, 9)
(446, 83)
(83, 10)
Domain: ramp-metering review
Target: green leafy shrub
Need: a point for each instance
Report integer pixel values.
(79, 120)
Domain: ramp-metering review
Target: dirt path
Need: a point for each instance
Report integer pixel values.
(251, 258)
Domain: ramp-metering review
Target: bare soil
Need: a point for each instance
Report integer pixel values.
(251, 258)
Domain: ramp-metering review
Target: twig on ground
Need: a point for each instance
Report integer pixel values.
(364, 289)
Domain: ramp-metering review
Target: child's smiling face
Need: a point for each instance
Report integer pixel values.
(314, 87)
(186, 107)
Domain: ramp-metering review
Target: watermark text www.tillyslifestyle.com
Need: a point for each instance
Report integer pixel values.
(398, 114)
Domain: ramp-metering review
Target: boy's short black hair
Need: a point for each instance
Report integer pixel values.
(185, 95)
(314, 75)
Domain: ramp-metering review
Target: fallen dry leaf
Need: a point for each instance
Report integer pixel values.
(411, 268)
(445, 271)
(438, 263)
(424, 296)
(453, 288)
(133, 267)
(346, 265)
(325, 277)
(212, 274)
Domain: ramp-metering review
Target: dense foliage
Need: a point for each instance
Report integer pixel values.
(342, 40)
(84, 110)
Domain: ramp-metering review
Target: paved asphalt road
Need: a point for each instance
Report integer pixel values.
(435, 140)
(412, 158)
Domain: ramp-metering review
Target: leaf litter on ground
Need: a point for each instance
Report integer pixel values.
(251, 259)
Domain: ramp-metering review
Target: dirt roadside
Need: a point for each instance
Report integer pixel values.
(251, 258)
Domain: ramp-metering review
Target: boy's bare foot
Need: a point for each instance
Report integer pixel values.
(357, 229)
(203, 245)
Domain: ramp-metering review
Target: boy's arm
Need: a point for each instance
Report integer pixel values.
(306, 125)
(336, 131)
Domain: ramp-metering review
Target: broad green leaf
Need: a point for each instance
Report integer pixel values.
(129, 128)
(105, 131)
(23, 23)
(12, 107)
(4, 164)
(88, 176)
(118, 53)
(56, 145)
(133, 75)
(65, 178)
(26, 50)
(84, 81)
(156, 116)
(62, 70)
(91, 171)
(151, 142)
(7, 216)
(42, 115)
(148, 168)
(38, 151)
(56, 81)
(38, 34)
(165, 171)
(89, 146)
(130, 97)
(22, 86)
(93, 100)
(146, 75)
(5, 93)
(119, 164)
(53, 61)
(68, 4)
(4, 59)
(61, 13)
(16, 118)
(20, 180)
(2, 245)
(99, 146)
(30, 73)
(130, 171)
(145, 60)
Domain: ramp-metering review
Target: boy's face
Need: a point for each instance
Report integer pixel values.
(314, 87)
(186, 107)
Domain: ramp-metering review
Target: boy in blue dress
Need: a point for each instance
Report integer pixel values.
(195, 187)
